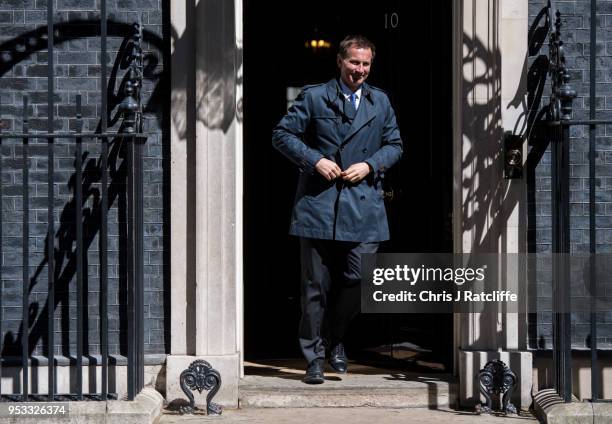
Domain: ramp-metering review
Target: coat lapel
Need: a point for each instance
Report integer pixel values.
(334, 99)
(365, 113)
(341, 108)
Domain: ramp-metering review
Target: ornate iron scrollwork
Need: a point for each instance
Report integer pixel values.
(130, 106)
(201, 376)
(496, 380)
(560, 108)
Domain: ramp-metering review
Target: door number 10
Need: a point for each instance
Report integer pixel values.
(391, 20)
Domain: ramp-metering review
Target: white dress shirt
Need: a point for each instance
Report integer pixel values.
(347, 93)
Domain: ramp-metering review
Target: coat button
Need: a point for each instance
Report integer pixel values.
(362, 197)
(365, 150)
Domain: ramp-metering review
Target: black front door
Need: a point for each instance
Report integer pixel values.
(413, 65)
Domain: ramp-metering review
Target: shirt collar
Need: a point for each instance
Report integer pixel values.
(347, 91)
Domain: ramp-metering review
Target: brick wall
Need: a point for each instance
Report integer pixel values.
(575, 34)
(23, 67)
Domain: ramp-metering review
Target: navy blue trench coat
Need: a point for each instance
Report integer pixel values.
(319, 124)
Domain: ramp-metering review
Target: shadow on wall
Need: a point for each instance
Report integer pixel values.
(216, 75)
(488, 199)
(483, 162)
(207, 93)
(538, 142)
(218, 68)
(65, 259)
(483, 192)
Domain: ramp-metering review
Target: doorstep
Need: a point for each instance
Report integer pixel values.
(278, 384)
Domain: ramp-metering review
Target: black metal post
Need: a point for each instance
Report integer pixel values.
(50, 199)
(139, 261)
(131, 108)
(25, 304)
(131, 289)
(135, 270)
(595, 382)
(560, 113)
(1, 280)
(104, 205)
(561, 246)
(78, 206)
(138, 207)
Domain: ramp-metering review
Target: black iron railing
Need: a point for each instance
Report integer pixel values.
(559, 123)
(131, 134)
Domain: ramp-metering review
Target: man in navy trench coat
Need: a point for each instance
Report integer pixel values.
(343, 136)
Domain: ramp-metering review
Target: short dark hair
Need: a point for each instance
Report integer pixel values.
(358, 41)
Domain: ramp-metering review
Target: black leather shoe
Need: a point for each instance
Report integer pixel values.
(314, 373)
(338, 359)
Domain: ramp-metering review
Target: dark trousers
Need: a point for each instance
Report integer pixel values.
(331, 273)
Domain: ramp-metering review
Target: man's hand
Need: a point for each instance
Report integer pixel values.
(356, 172)
(329, 169)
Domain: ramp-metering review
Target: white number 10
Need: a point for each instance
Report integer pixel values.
(391, 20)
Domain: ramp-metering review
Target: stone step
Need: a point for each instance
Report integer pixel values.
(269, 387)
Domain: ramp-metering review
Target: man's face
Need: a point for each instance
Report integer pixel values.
(355, 67)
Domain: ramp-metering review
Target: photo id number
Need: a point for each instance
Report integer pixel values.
(34, 409)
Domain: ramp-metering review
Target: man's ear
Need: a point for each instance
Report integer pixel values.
(339, 61)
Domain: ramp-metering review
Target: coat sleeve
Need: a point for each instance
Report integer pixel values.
(391, 144)
(288, 135)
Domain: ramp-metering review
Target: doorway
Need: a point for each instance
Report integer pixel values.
(413, 65)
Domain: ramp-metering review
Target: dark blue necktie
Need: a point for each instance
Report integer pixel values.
(353, 99)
